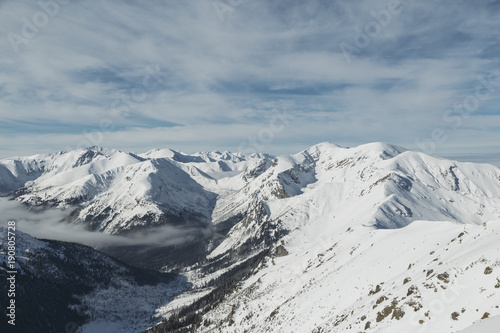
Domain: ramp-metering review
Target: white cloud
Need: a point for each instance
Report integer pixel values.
(50, 224)
(216, 77)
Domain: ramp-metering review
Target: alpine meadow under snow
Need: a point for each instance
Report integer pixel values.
(374, 238)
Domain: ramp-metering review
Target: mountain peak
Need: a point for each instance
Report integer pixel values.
(382, 147)
(384, 150)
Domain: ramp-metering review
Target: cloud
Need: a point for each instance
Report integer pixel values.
(50, 224)
(91, 63)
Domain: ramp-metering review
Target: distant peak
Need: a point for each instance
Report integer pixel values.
(382, 146)
(326, 145)
(373, 146)
(385, 150)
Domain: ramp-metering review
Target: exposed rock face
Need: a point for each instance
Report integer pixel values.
(281, 251)
(281, 237)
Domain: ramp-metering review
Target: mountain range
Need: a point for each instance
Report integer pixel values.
(374, 238)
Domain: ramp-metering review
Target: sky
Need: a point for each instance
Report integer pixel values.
(249, 75)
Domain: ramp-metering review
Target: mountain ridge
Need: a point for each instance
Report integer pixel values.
(119, 189)
(277, 232)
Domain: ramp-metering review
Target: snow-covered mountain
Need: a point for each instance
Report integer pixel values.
(375, 185)
(116, 192)
(373, 238)
(367, 239)
(427, 277)
(62, 286)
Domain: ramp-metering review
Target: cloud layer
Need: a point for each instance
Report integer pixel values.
(50, 224)
(204, 75)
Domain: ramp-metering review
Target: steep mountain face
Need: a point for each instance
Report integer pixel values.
(61, 285)
(427, 277)
(116, 192)
(372, 238)
(332, 239)
(375, 185)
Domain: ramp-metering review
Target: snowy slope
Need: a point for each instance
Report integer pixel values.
(411, 279)
(62, 283)
(342, 221)
(116, 192)
(375, 185)
(489, 325)
(369, 238)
